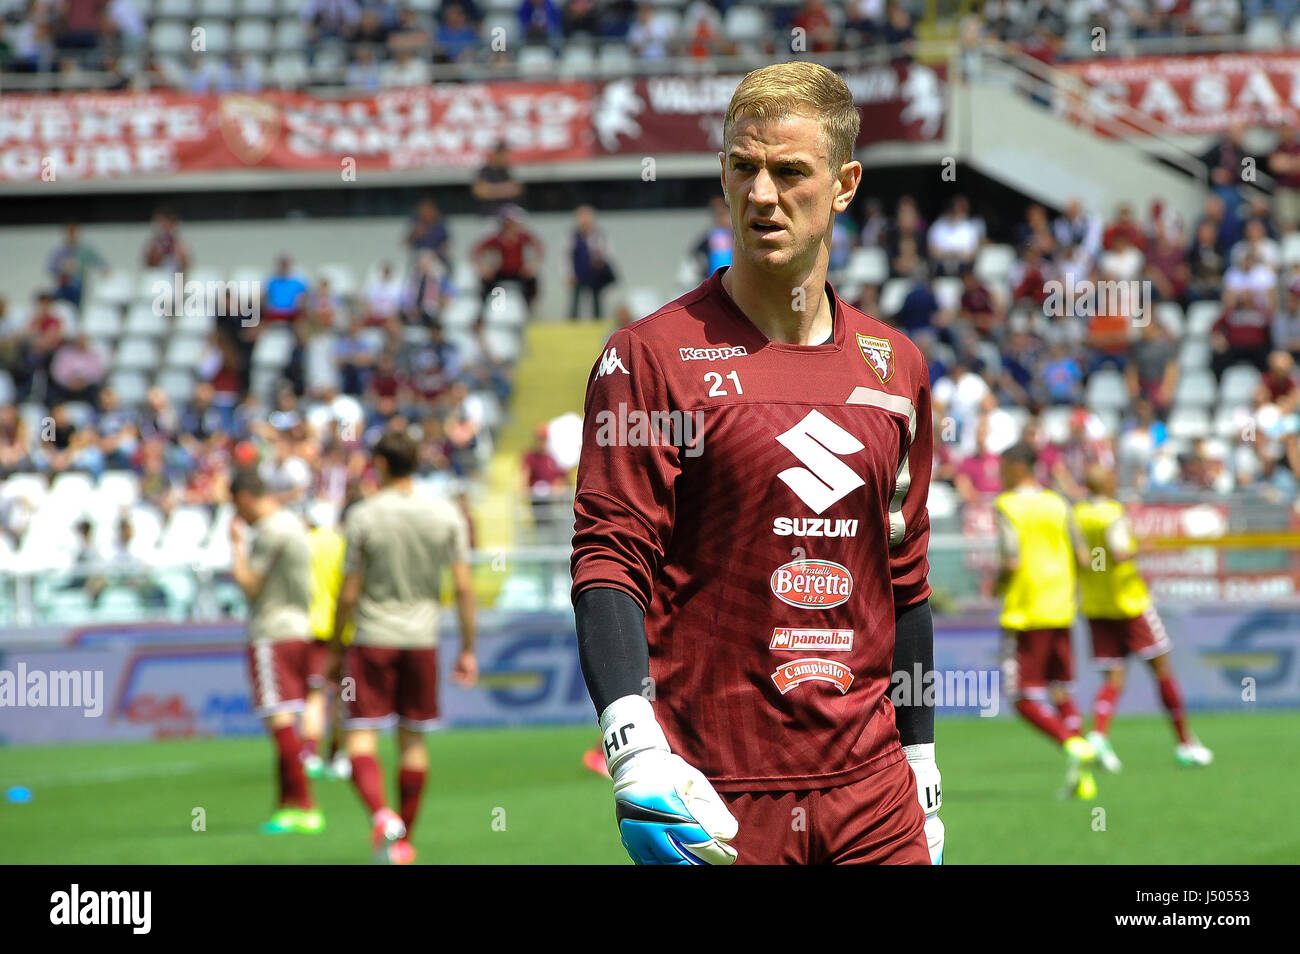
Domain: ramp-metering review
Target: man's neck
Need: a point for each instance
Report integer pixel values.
(769, 302)
(400, 484)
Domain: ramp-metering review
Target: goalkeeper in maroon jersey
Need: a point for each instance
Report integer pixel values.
(750, 544)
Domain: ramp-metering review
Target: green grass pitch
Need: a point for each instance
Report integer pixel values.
(517, 796)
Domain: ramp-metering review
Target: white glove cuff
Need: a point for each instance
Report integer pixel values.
(928, 790)
(628, 726)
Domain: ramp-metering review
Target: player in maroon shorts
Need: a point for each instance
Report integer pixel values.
(750, 545)
(399, 540)
(275, 575)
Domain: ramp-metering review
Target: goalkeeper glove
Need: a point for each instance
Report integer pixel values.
(668, 813)
(930, 795)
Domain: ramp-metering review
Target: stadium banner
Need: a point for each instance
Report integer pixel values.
(109, 135)
(138, 135)
(682, 114)
(1196, 94)
(184, 681)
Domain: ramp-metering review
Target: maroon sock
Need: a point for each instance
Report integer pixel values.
(309, 746)
(294, 792)
(1041, 717)
(365, 776)
(1172, 698)
(410, 782)
(1070, 717)
(1103, 707)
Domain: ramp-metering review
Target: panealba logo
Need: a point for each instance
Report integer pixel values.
(879, 354)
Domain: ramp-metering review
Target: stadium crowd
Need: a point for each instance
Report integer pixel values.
(370, 44)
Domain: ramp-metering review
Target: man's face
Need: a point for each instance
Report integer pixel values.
(781, 192)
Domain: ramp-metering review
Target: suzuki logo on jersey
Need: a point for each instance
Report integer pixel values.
(879, 354)
(824, 478)
(712, 354)
(814, 527)
(817, 640)
(819, 584)
(609, 363)
(803, 670)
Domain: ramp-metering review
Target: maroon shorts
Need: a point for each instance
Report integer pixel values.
(1114, 639)
(874, 821)
(392, 686)
(318, 663)
(279, 673)
(1033, 659)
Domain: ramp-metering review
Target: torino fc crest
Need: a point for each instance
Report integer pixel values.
(879, 354)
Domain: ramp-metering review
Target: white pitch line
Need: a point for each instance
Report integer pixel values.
(106, 775)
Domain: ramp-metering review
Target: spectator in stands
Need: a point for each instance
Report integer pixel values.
(1036, 230)
(819, 34)
(356, 354)
(1215, 17)
(1078, 228)
(1256, 240)
(978, 476)
(907, 223)
(1226, 160)
(122, 28)
(77, 371)
(960, 396)
(495, 186)
(117, 430)
(43, 337)
(165, 248)
(1284, 166)
(978, 309)
(591, 262)
(1166, 267)
(513, 254)
(541, 23)
(713, 250)
(1286, 320)
(33, 46)
(456, 37)
(955, 238)
(702, 28)
(362, 72)
(920, 310)
(322, 309)
(285, 294)
(864, 21)
(159, 420)
(580, 18)
(15, 442)
(1029, 277)
(546, 488)
(1151, 373)
(286, 475)
(429, 292)
(1205, 264)
(1280, 385)
(874, 227)
(1062, 376)
(329, 20)
(428, 232)
(77, 23)
(1202, 470)
(465, 428)
(381, 299)
(1249, 276)
(1241, 335)
(63, 446)
(70, 263)
(650, 37)
(899, 34)
(1125, 225)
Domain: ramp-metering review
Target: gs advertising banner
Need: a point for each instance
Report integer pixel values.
(170, 681)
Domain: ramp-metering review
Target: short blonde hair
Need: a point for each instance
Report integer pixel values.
(799, 88)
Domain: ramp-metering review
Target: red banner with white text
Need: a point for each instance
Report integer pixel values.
(126, 135)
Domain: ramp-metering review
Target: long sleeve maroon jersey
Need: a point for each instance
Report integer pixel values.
(765, 504)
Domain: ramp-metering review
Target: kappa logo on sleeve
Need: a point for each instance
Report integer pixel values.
(815, 640)
(879, 354)
(813, 669)
(610, 362)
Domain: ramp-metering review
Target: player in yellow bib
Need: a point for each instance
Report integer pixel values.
(1038, 547)
(1123, 619)
(327, 551)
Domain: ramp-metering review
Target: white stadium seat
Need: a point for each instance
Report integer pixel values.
(1106, 391)
(1189, 423)
(1201, 316)
(274, 346)
(1170, 314)
(143, 321)
(994, 262)
(135, 354)
(1196, 388)
(867, 266)
(1239, 384)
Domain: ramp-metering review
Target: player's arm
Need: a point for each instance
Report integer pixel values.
(667, 811)
(466, 672)
(1078, 543)
(909, 569)
(1121, 542)
(250, 566)
(1008, 549)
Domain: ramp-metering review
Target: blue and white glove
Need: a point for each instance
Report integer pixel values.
(929, 793)
(668, 813)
